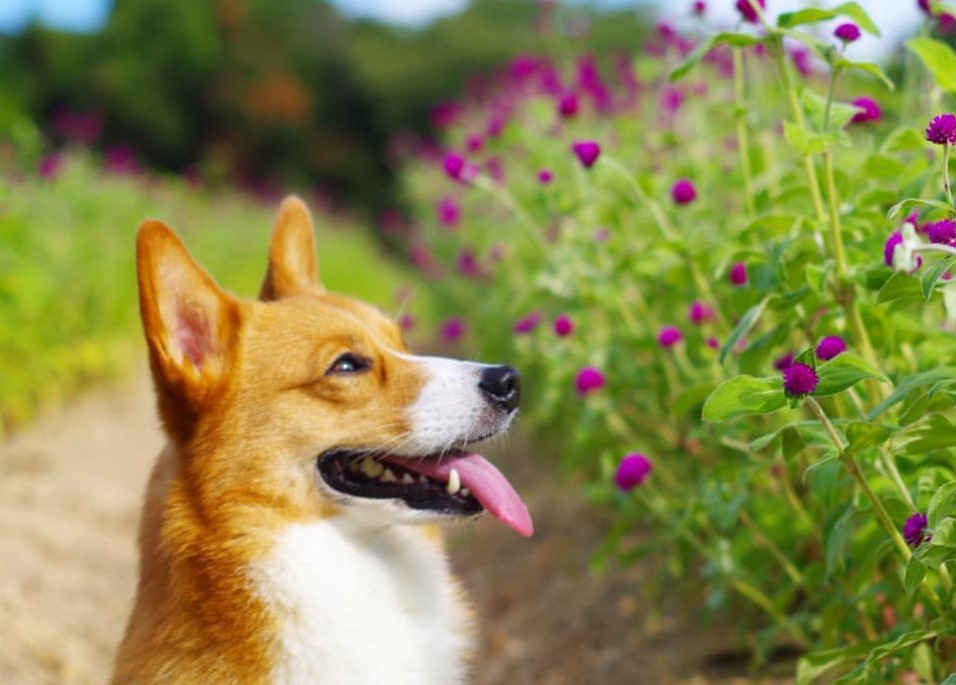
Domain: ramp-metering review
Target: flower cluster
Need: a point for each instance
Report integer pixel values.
(942, 129)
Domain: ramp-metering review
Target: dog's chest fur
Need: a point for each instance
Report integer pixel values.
(361, 606)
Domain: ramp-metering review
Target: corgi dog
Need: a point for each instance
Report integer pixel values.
(290, 533)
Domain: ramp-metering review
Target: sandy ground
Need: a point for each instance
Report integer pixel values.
(70, 489)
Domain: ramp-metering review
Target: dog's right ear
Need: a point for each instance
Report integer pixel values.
(190, 322)
(293, 269)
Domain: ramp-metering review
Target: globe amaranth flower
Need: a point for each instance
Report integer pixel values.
(467, 263)
(899, 251)
(632, 471)
(700, 313)
(588, 380)
(700, 7)
(683, 192)
(568, 105)
(784, 361)
(587, 152)
(528, 323)
(914, 530)
(453, 329)
(799, 379)
(563, 325)
(868, 109)
(830, 347)
(713, 343)
(545, 176)
(458, 168)
(747, 11)
(848, 32)
(669, 336)
(738, 274)
(474, 143)
(941, 232)
(448, 211)
(942, 129)
(406, 322)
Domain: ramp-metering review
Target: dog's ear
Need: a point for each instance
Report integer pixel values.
(292, 264)
(190, 323)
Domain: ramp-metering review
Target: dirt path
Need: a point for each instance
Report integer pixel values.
(70, 489)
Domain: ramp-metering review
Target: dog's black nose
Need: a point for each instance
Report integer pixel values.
(501, 386)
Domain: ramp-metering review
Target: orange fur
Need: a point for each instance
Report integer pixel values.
(244, 401)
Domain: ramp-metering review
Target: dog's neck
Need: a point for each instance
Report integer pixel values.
(335, 601)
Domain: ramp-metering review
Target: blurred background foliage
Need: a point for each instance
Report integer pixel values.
(272, 93)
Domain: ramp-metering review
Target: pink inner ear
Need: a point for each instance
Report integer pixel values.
(192, 336)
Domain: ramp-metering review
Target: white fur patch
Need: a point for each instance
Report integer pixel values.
(362, 605)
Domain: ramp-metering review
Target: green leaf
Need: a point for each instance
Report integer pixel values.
(942, 504)
(904, 140)
(813, 15)
(932, 432)
(909, 383)
(816, 276)
(932, 274)
(938, 58)
(843, 372)
(747, 321)
(903, 205)
(735, 40)
(915, 570)
(690, 398)
(862, 434)
(950, 680)
(803, 141)
(869, 68)
(744, 395)
(900, 287)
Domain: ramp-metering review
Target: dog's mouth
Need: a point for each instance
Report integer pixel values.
(456, 484)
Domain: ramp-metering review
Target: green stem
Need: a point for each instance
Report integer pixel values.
(504, 196)
(946, 184)
(756, 596)
(761, 538)
(743, 139)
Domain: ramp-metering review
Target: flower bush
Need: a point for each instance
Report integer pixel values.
(802, 428)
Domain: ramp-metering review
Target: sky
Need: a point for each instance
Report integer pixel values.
(896, 18)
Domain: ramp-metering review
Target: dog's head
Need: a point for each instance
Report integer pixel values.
(308, 403)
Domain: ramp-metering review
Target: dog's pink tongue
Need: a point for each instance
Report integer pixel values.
(487, 484)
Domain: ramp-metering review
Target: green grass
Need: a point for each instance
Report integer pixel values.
(68, 303)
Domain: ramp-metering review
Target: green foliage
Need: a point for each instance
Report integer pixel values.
(787, 512)
(68, 307)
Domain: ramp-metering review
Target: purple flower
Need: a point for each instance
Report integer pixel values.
(587, 152)
(848, 32)
(406, 322)
(700, 312)
(669, 336)
(747, 10)
(942, 129)
(830, 347)
(453, 329)
(528, 323)
(50, 166)
(889, 247)
(563, 325)
(914, 530)
(632, 471)
(738, 274)
(700, 7)
(924, 5)
(448, 212)
(941, 232)
(869, 110)
(467, 263)
(783, 362)
(474, 143)
(799, 379)
(683, 192)
(545, 176)
(588, 380)
(713, 343)
(458, 168)
(802, 59)
(568, 105)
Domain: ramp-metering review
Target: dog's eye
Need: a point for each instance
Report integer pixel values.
(348, 363)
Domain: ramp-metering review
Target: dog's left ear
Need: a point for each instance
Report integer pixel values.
(293, 269)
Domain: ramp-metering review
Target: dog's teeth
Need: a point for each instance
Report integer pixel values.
(407, 479)
(372, 468)
(454, 483)
(389, 477)
(465, 492)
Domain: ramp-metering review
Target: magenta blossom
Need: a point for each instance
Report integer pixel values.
(942, 129)
(528, 323)
(747, 11)
(545, 176)
(738, 274)
(700, 313)
(848, 33)
(799, 379)
(669, 336)
(563, 325)
(869, 110)
(588, 380)
(713, 343)
(889, 247)
(829, 347)
(941, 232)
(683, 192)
(784, 361)
(474, 143)
(467, 263)
(50, 166)
(587, 152)
(458, 168)
(700, 7)
(406, 322)
(448, 212)
(568, 105)
(914, 530)
(453, 329)
(632, 471)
